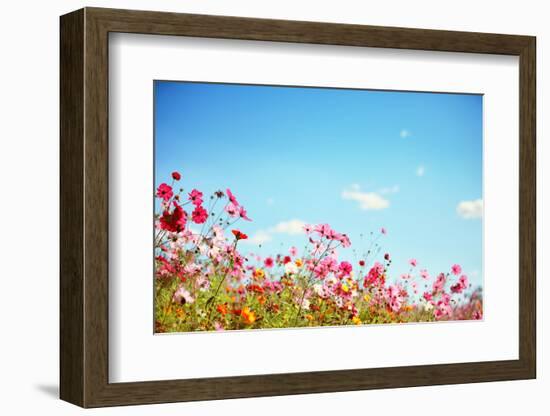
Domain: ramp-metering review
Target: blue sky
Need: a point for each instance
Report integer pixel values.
(356, 159)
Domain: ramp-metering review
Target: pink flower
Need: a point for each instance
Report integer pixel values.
(456, 269)
(165, 192)
(463, 280)
(232, 210)
(405, 276)
(345, 268)
(268, 262)
(412, 262)
(199, 215)
(344, 239)
(439, 283)
(242, 214)
(308, 228)
(424, 274)
(427, 296)
(293, 251)
(375, 275)
(182, 296)
(195, 196)
(231, 197)
(383, 231)
(324, 230)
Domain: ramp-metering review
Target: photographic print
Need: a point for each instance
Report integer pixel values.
(291, 207)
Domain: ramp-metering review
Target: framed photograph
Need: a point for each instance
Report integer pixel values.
(255, 207)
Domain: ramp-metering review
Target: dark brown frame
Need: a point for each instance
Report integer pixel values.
(84, 208)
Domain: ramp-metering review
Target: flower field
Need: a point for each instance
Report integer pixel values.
(205, 280)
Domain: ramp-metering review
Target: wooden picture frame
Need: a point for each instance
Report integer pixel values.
(84, 207)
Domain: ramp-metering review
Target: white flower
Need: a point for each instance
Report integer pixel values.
(427, 306)
(291, 268)
(182, 296)
(305, 304)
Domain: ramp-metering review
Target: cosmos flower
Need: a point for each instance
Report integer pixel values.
(456, 269)
(199, 215)
(165, 192)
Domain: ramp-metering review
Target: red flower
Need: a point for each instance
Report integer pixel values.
(176, 176)
(199, 215)
(175, 221)
(164, 191)
(287, 259)
(238, 235)
(361, 263)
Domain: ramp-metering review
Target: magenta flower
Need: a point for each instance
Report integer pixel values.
(456, 269)
(242, 214)
(199, 215)
(268, 262)
(345, 268)
(195, 196)
(231, 197)
(164, 191)
(383, 231)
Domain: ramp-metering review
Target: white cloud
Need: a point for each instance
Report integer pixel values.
(470, 209)
(404, 133)
(420, 171)
(291, 227)
(367, 200)
(261, 237)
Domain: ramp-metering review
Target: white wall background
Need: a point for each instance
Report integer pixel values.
(29, 212)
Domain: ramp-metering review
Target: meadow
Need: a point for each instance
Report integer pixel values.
(205, 280)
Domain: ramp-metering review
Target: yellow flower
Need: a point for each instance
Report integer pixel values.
(298, 262)
(259, 273)
(248, 316)
(366, 297)
(356, 320)
(345, 288)
(309, 317)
